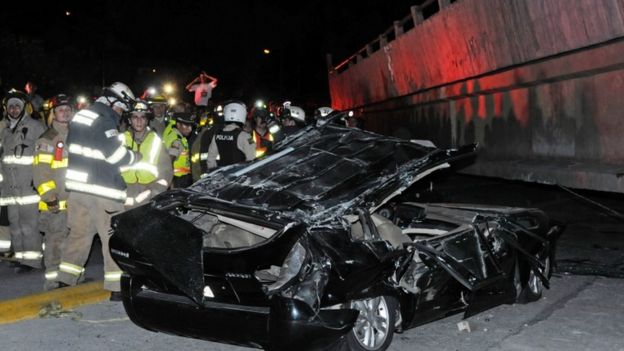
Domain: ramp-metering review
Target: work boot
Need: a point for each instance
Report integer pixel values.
(115, 296)
(54, 285)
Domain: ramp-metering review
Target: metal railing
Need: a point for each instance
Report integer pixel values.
(416, 17)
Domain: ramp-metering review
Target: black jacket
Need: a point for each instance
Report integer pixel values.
(96, 151)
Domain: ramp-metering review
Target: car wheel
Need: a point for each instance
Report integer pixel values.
(375, 325)
(534, 288)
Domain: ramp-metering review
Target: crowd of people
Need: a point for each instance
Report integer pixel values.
(65, 170)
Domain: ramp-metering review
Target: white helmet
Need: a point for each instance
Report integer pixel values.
(235, 112)
(123, 95)
(323, 111)
(297, 113)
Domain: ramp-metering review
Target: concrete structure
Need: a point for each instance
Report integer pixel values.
(538, 84)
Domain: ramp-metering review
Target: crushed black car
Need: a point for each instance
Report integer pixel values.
(308, 249)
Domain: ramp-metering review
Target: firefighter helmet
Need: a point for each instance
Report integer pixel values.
(123, 96)
(60, 100)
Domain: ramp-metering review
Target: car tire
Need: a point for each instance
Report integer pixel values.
(375, 326)
(534, 287)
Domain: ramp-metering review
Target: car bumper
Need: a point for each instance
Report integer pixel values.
(285, 324)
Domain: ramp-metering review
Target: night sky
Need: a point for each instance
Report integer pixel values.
(105, 41)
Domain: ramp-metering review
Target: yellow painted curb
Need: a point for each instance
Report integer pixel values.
(28, 307)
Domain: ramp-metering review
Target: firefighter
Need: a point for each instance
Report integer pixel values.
(293, 119)
(175, 138)
(261, 135)
(158, 103)
(97, 190)
(18, 148)
(50, 164)
(321, 114)
(230, 143)
(152, 175)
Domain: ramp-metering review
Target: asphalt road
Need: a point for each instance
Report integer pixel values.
(578, 313)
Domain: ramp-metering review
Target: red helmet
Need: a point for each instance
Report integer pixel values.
(60, 100)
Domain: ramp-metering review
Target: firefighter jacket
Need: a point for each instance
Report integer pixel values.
(178, 148)
(199, 152)
(230, 144)
(50, 165)
(264, 142)
(96, 152)
(153, 173)
(18, 151)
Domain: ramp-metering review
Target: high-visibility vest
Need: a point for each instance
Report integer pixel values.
(262, 142)
(146, 170)
(182, 164)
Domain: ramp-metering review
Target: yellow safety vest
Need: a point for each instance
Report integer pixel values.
(146, 170)
(182, 164)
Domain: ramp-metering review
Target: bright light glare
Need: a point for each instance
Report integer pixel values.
(172, 101)
(259, 103)
(151, 91)
(81, 99)
(168, 88)
(350, 113)
(266, 51)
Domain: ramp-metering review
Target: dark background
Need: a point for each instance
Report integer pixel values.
(100, 42)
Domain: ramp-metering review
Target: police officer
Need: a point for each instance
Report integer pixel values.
(230, 143)
(97, 190)
(50, 164)
(152, 175)
(18, 145)
(175, 137)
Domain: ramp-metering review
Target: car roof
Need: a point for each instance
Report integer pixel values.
(327, 171)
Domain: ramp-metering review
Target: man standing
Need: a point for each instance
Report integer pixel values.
(202, 86)
(50, 164)
(97, 190)
(230, 143)
(176, 141)
(18, 147)
(153, 174)
(158, 103)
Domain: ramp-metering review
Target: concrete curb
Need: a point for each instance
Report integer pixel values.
(28, 307)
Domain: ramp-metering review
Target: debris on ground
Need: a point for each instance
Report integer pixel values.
(55, 310)
(464, 326)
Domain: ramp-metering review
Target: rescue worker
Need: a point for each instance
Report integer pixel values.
(199, 152)
(261, 135)
(152, 175)
(293, 119)
(18, 148)
(158, 103)
(320, 115)
(50, 164)
(230, 143)
(97, 190)
(175, 138)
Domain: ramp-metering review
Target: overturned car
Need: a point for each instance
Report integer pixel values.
(305, 249)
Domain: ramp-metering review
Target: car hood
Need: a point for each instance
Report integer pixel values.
(324, 172)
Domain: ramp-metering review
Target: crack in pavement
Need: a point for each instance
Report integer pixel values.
(544, 314)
